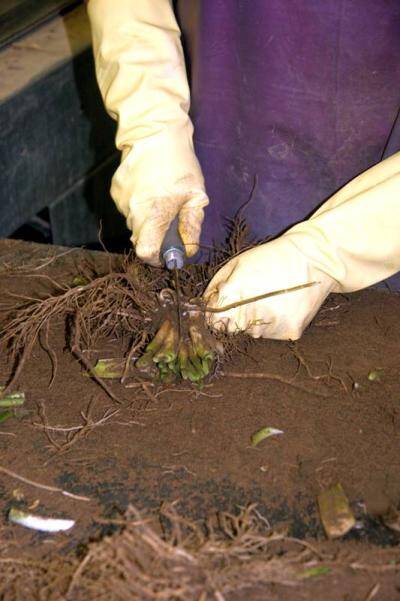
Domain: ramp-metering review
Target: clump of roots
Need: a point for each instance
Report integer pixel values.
(175, 559)
(135, 305)
(126, 305)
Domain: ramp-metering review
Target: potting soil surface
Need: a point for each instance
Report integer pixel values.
(334, 394)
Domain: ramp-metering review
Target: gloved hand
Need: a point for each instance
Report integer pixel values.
(351, 242)
(272, 266)
(141, 75)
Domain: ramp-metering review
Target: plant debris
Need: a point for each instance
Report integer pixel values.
(315, 571)
(173, 559)
(12, 399)
(48, 487)
(169, 557)
(108, 368)
(37, 522)
(336, 515)
(260, 435)
(375, 375)
(391, 519)
(4, 415)
(9, 402)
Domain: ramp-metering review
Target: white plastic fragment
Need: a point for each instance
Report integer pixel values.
(36, 522)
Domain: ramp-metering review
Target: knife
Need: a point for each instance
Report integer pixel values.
(173, 255)
(172, 249)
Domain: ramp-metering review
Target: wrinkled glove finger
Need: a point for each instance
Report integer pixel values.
(151, 232)
(215, 294)
(218, 321)
(221, 295)
(190, 222)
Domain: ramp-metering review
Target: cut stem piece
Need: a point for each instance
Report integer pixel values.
(146, 360)
(336, 515)
(199, 346)
(167, 352)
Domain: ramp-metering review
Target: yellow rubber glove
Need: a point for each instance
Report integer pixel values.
(351, 242)
(141, 74)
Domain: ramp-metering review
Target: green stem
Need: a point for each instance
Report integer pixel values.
(5, 415)
(146, 360)
(199, 347)
(12, 401)
(169, 347)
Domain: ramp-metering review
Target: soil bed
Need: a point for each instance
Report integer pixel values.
(168, 443)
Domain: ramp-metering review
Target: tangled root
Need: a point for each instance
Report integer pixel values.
(180, 560)
(126, 305)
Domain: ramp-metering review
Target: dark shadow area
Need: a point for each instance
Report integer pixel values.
(58, 153)
(17, 17)
(37, 229)
(87, 206)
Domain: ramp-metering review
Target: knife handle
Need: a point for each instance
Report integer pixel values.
(172, 249)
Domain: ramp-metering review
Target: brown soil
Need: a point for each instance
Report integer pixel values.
(177, 443)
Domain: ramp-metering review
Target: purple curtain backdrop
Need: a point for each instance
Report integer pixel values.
(302, 93)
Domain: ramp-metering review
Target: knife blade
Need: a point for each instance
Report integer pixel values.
(178, 300)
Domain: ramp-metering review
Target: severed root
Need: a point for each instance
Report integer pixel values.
(189, 358)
